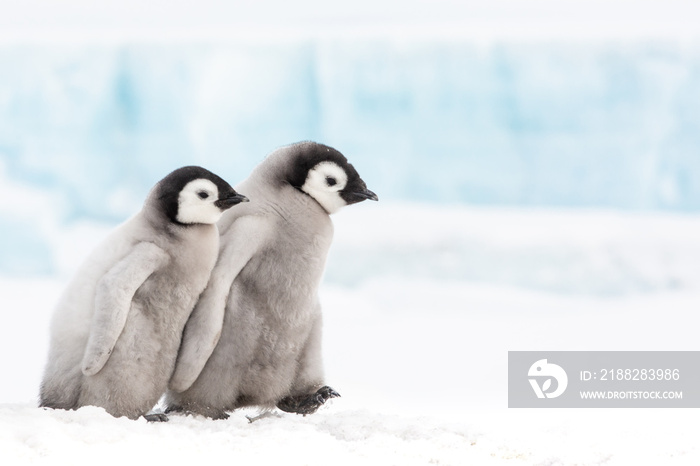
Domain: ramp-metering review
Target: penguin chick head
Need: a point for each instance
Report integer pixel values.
(325, 174)
(191, 195)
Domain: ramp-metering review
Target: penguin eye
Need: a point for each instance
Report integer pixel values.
(331, 181)
(203, 195)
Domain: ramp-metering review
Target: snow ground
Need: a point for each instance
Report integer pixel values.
(346, 436)
(417, 343)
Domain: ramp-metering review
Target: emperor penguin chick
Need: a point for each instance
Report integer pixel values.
(254, 337)
(116, 330)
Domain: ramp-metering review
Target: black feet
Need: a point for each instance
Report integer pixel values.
(210, 413)
(218, 416)
(307, 404)
(156, 417)
(174, 409)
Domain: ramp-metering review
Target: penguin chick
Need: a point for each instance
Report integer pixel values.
(117, 327)
(254, 337)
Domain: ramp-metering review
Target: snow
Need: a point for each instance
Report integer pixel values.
(479, 125)
(419, 354)
(582, 251)
(345, 436)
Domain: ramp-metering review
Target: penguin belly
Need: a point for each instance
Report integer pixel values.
(137, 372)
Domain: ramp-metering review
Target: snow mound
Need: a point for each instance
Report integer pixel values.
(335, 436)
(32, 435)
(576, 251)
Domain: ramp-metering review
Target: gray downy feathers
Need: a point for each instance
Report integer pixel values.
(254, 337)
(116, 330)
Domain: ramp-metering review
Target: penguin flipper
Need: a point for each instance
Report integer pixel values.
(114, 293)
(203, 329)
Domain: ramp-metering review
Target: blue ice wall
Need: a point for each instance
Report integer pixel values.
(536, 124)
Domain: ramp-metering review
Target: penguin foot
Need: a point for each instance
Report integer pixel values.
(174, 409)
(307, 404)
(264, 415)
(210, 413)
(156, 417)
(219, 416)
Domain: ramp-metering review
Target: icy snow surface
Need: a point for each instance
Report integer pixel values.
(421, 305)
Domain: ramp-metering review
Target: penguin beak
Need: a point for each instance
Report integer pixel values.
(370, 195)
(360, 195)
(231, 200)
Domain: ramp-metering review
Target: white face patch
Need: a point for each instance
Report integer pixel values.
(196, 202)
(324, 183)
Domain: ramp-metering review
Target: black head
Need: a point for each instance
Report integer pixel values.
(325, 174)
(193, 194)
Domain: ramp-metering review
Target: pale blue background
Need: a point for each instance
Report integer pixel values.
(572, 122)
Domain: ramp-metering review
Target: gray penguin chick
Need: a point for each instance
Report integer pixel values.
(254, 337)
(117, 327)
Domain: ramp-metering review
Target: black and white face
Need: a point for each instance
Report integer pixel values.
(324, 183)
(192, 195)
(197, 203)
(330, 180)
